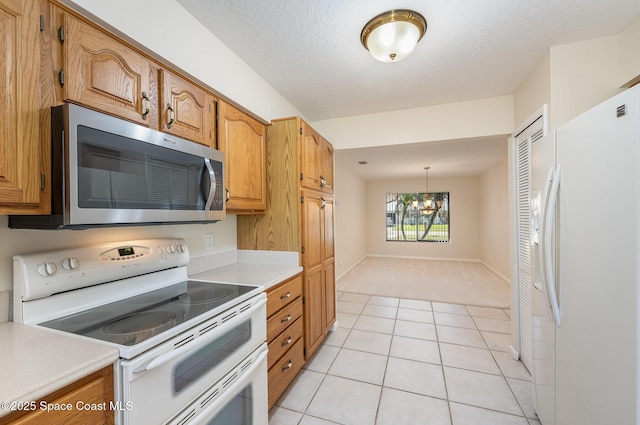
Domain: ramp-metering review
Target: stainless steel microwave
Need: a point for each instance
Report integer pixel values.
(109, 172)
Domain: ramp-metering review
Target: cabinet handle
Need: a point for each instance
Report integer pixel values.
(287, 342)
(285, 296)
(323, 181)
(228, 194)
(172, 115)
(145, 105)
(288, 366)
(286, 319)
(324, 203)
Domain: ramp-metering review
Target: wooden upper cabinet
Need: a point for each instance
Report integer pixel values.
(102, 73)
(316, 160)
(20, 151)
(326, 167)
(243, 140)
(310, 152)
(187, 111)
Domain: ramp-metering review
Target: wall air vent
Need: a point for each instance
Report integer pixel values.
(621, 111)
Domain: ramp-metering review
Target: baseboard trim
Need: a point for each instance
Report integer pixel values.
(515, 355)
(406, 257)
(351, 268)
(503, 277)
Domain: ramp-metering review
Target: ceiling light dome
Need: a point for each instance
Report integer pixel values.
(392, 36)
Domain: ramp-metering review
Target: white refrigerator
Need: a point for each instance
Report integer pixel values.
(585, 180)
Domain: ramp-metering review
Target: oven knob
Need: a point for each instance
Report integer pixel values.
(70, 264)
(171, 249)
(47, 269)
(180, 248)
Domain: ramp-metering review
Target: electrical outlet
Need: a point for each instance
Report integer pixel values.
(208, 241)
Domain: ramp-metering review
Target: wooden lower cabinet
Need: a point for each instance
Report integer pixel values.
(285, 335)
(283, 372)
(88, 400)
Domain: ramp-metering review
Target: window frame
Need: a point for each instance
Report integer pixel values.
(417, 221)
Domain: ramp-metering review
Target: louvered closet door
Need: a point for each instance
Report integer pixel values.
(523, 211)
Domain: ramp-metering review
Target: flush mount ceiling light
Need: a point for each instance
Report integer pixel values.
(392, 36)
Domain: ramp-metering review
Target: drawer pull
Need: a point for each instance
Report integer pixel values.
(284, 297)
(288, 366)
(286, 319)
(287, 342)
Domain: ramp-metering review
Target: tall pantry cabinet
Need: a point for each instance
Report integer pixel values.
(299, 217)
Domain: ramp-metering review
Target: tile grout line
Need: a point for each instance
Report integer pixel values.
(388, 355)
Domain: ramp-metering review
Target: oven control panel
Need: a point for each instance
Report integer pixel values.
(43, 274)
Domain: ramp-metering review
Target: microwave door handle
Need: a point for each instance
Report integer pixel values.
(212, 185)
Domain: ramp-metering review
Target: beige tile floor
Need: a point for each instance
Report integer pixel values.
(398, 361)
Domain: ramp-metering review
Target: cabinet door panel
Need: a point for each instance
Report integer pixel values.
(187, 111)
(102, 73)
(312, 230)
(328, 245)
(19, 105)
(314, 316)
(329, 293)
(326, 171)
(310, 152)
(243, 140)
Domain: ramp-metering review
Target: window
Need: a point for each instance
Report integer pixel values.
(408, 220)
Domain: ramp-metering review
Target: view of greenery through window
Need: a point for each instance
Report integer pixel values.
(418, 217)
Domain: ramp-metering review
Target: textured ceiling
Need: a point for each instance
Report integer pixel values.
(310, 51)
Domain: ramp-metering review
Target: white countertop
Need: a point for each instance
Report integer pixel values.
(262, 268)
(265, 275)
(35, 362)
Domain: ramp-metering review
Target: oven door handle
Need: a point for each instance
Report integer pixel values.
(198, 342)
(232, 390)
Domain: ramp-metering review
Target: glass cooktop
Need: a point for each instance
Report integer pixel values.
(135, 319)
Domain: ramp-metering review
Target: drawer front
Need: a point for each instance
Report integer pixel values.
(283, 294)
(282, 319)
(284, 341)
(283, 372)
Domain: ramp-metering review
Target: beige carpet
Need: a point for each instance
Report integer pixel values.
(457, 282)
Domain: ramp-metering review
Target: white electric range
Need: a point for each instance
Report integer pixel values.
(191, 351)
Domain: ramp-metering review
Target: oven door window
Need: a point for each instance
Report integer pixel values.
(116, 172)
(238, 411)
(189, 370)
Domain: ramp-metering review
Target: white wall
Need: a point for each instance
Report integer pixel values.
(493, 207)
(350, 219)
(630, 54)
(583, 74)
(29, 241)
(476, 118)
(464, 216)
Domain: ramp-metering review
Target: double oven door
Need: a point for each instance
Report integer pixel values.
(239, 398)
(157, 385)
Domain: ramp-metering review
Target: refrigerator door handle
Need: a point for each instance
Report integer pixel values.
(550, 215)
(540, 257)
